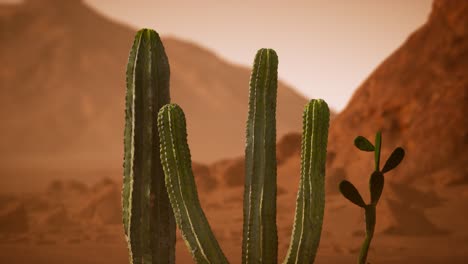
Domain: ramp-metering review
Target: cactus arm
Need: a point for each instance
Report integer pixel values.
(363, 144)
(147, 215)
(260, 239)
(378, 143)
(395, 158)
(350, 192)
(310, 204)
(129, 134)
(376, 184)
(175, 157)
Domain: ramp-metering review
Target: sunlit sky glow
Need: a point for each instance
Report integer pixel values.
(326, 48)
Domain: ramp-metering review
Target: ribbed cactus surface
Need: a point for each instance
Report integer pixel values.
(260, 240)
(310, 203)
(159, 188)
(147, 214)
(175, 157)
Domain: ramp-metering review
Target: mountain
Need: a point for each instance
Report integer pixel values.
(63, 83)
(418, 98)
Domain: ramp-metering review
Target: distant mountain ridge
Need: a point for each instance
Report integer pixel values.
(63, 84)
(418, 98)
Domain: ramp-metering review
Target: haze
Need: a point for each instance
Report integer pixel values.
(326, 48)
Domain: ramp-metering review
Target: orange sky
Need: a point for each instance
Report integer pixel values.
(326, 47)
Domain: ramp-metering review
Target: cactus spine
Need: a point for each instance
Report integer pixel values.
(310, 204)
(260, 239)
(147, 214)
(376, 184)
(175, 157)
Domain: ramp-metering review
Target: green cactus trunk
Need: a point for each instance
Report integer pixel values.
(260, 240)
(147, 214)
(175, 157)
(310, 204)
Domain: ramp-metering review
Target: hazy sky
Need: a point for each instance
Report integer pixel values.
(326, 48)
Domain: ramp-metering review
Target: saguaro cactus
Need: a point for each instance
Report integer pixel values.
(310, 204)
(147, 214)
(376, 184)
(260, 237)
(175, 157)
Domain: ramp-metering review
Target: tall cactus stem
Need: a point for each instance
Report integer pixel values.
(370, 213)
(180, 183)
(260, 239)
(310, 203)
(147, 214)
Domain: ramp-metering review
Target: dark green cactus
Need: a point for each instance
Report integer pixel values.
(310, 204)
(376, 184)
(175, 157)
(159, 182)
(351, 193)
(260, 236)
(260, 239)
(147, 214)
(395, 158)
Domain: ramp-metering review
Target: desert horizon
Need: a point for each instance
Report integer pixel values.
(311, 53)
(63, 103)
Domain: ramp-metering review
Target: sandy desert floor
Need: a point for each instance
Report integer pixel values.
(77, 223)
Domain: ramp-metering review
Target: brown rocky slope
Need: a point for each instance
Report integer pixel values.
(63, 78)
(418, 98)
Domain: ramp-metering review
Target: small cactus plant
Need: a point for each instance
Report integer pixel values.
(376, 184)
(147, 214)
(260, 241)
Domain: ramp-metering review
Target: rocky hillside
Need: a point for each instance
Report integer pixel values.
(63, 81)
(418, 98)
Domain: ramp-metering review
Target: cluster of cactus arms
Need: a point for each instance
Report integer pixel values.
(260, 240)
(159, 188)
(376, 184)
(147, 214)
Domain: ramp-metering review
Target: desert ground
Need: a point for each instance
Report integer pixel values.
(73, 222)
